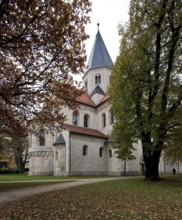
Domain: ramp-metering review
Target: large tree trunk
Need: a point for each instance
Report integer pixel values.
(152, 165)
(151, 157)
(20, 155)
(20, 164)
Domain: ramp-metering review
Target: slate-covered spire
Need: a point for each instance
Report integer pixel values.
(99, 56)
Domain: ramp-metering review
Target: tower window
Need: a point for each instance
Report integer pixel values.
(75, 118)
(112, 118)
(98, 79)
(85, 150)
(104, 120)
(101, 152)
(86, 121)
(86, 84)
(110, 153)
(42, 138)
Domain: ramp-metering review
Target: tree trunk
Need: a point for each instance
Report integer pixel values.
(152, 166)
(147, 160)
(20, 164)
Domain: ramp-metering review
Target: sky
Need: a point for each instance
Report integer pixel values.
(108, 13)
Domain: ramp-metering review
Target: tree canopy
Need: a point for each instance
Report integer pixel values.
(146, 88)
(41, 44)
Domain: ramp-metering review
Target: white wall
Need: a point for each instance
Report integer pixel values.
(92, 163)
(90, 77)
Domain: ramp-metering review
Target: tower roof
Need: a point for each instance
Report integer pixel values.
(60, 140)
(97, 90)
(99, 56)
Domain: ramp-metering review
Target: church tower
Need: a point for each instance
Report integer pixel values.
(82, 147)
(97, 76)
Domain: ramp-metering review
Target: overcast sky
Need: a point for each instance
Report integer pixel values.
(108, 13)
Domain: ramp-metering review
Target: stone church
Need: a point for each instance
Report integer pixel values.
(82, 148)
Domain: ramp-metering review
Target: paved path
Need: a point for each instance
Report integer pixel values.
(12, 195)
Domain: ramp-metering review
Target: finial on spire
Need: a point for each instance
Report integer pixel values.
(98, 25)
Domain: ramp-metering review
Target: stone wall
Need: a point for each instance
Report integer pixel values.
(41, 161)
(91, 163)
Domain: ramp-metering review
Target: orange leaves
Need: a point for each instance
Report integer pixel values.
(119, 199)
(41, 42)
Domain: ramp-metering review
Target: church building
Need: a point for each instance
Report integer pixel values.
(82, 148)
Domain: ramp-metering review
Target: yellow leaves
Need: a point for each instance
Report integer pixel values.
(42, 42)
(119, 199)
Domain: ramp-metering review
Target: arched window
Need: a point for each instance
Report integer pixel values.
(86, 120)
(85, 150)
(56, 155)
(110, 79)
(110, 153)
(101, 152)
(98, 79)
(104, 120)
(112, 118)
(41, 137)
(86, 84)
(75, 118)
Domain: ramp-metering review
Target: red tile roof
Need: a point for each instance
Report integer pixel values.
(85, 99)
(105, 98)
(84, 131)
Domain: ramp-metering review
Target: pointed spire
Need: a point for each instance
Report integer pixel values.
(99, 56)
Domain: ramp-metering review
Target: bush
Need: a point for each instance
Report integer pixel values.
(9, 171)
(3, 164)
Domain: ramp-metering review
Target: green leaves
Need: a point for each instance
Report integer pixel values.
(146, 78)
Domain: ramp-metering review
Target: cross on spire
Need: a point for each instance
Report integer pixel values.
(99, 56)
(98, 25)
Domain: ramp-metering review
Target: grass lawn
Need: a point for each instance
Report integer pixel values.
(11, 186)
(118, 199)
(25, 177)
(7, 181)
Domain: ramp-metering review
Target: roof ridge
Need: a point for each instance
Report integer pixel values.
(84, 131)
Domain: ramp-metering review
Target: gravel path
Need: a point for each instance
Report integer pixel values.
(12, 195)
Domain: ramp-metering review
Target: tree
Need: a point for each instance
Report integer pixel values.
(146, 88)
(41, 44)
(16, 151)
(173, 149)
(14, 145)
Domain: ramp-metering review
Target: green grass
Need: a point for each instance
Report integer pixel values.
(119, 199)
(11, 186)
(25, 177)
(8, 181)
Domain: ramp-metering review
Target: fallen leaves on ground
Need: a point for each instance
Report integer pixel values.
(119, 199)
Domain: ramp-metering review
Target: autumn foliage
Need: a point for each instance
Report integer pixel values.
(41, 43)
